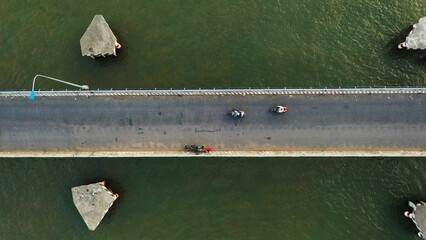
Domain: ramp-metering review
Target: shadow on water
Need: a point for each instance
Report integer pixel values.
(115, 187)
(416, 56)
(109, 61)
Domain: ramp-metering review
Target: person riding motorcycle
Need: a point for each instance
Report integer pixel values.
(237, 113)
(197, 149)
(279, 109)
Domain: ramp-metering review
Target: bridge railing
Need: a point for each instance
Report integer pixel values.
(219, 91)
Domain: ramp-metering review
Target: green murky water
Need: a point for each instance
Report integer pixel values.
(220, 43)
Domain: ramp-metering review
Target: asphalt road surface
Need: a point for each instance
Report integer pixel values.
(167, 123)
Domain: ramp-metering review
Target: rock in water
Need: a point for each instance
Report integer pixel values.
(418, 216)
(416, 39)
(98, 40)
(93, 202)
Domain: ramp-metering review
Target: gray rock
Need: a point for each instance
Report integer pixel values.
(416, 39)
(418, 216)
(98, 40)
(93, 202)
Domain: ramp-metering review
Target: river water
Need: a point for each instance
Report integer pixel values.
(206, 44)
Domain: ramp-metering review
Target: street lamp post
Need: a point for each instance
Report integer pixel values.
(32, 93)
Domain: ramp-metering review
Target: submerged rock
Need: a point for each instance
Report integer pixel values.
(93, 202)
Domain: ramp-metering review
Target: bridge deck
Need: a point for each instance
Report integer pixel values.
(382, 124)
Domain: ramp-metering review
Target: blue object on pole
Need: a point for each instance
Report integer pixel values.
(32, 95)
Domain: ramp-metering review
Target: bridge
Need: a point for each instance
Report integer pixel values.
(158, 123)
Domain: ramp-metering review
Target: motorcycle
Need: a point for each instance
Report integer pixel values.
(197, 149)
(237, 113)
(279, 109)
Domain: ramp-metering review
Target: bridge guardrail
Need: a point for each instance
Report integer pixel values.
(214, 91)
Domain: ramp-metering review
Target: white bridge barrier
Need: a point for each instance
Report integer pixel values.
(217, 92)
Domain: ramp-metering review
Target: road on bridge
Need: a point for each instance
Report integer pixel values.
(330, 123)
